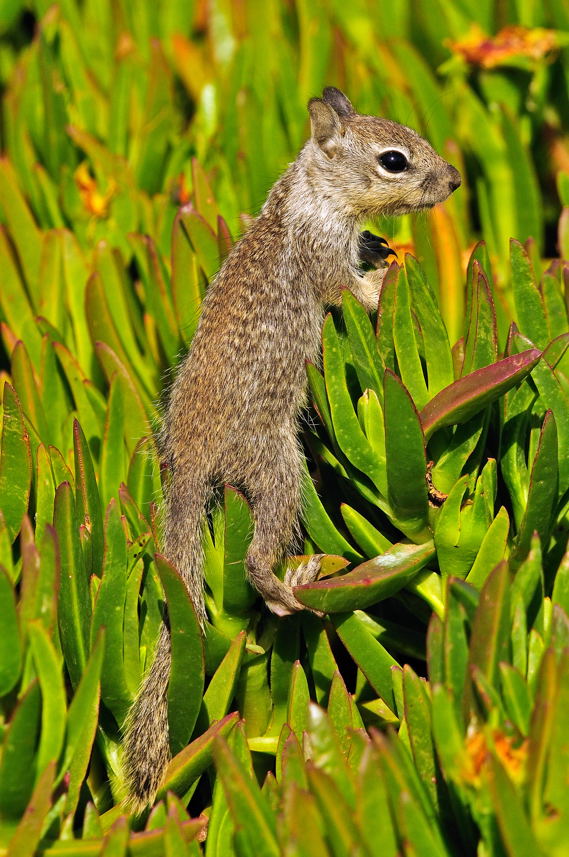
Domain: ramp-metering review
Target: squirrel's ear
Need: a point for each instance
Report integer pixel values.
(326, 127)
(340, 102)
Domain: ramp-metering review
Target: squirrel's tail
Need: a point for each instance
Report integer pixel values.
(146, 742)
(146, 747)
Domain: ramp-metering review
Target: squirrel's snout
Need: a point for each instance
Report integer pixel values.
(455, 179)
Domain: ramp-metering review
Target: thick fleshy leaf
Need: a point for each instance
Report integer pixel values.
(406, 345)
(193, 760)
(384, 331)
(529, 307)
(541, 728)
(370, 539)
(370, 582)
(135, 410)
(27, 835)
(50, 674)
(492, 549)
(238, 594)
(321, 658)
(88, 501)
(438, 355)
(555, 397)
(349, 435)
(516, 697)
(471, 393)
(81, 726)
(417, 709)
(301, 825)
(363, 343)
(298, 701)
(10, 642)
(515, 830)
(249, 809)
(320, 526)
(113, 455)
(187, 671)
(336, 812)
(481, 343)
(29, 395)
(543, 488)
(221, 689)
(372, 808)
(372, 658)
(285, 653)
(489, 638)
(414, 813)
(203, 238)
(15, 463)
(406, 461)
(22, 226)
(108, 613)
(74, 606)
(326, 752)
(18, 760)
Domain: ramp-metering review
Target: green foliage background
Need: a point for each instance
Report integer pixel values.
(425, 715)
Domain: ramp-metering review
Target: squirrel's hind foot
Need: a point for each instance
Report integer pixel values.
(306, 572)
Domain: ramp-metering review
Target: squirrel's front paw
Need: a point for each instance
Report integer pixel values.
(374, 250)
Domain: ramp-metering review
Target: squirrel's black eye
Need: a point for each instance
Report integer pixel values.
(393, 161)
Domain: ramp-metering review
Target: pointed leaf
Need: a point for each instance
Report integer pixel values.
(471, 393)
(370, 582)
(15, 463)
(406, 462)
(187, 670)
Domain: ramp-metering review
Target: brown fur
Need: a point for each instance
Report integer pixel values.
(235, 404)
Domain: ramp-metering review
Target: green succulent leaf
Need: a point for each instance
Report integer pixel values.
(471, 393)
(74, 607)
(406, 461)
(18, 765)
(188, 765)
(368, 583)
(10, 641)
(15, 463)
(187, 671)
(248, 807)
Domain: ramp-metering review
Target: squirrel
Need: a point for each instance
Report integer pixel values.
(235, 404)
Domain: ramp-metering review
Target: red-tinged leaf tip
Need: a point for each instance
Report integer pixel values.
(467, 396)
(372, 581)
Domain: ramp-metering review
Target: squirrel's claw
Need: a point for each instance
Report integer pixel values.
(374, 250)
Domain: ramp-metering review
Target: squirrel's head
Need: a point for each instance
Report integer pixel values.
(379, 166)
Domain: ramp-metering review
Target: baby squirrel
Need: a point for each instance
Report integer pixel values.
(234, 407)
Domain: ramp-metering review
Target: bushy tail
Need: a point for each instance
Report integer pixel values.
(146, 742)
(146, 747)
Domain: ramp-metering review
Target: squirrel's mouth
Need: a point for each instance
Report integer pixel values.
(409, 208)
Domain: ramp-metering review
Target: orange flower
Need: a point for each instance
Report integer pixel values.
(510, 751)
(95, 202)
(489, 51)
(180, 191)
(512, 757)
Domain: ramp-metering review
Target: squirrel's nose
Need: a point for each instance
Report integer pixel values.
(455, 179)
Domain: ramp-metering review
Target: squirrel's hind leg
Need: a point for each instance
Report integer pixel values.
(275, 503)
